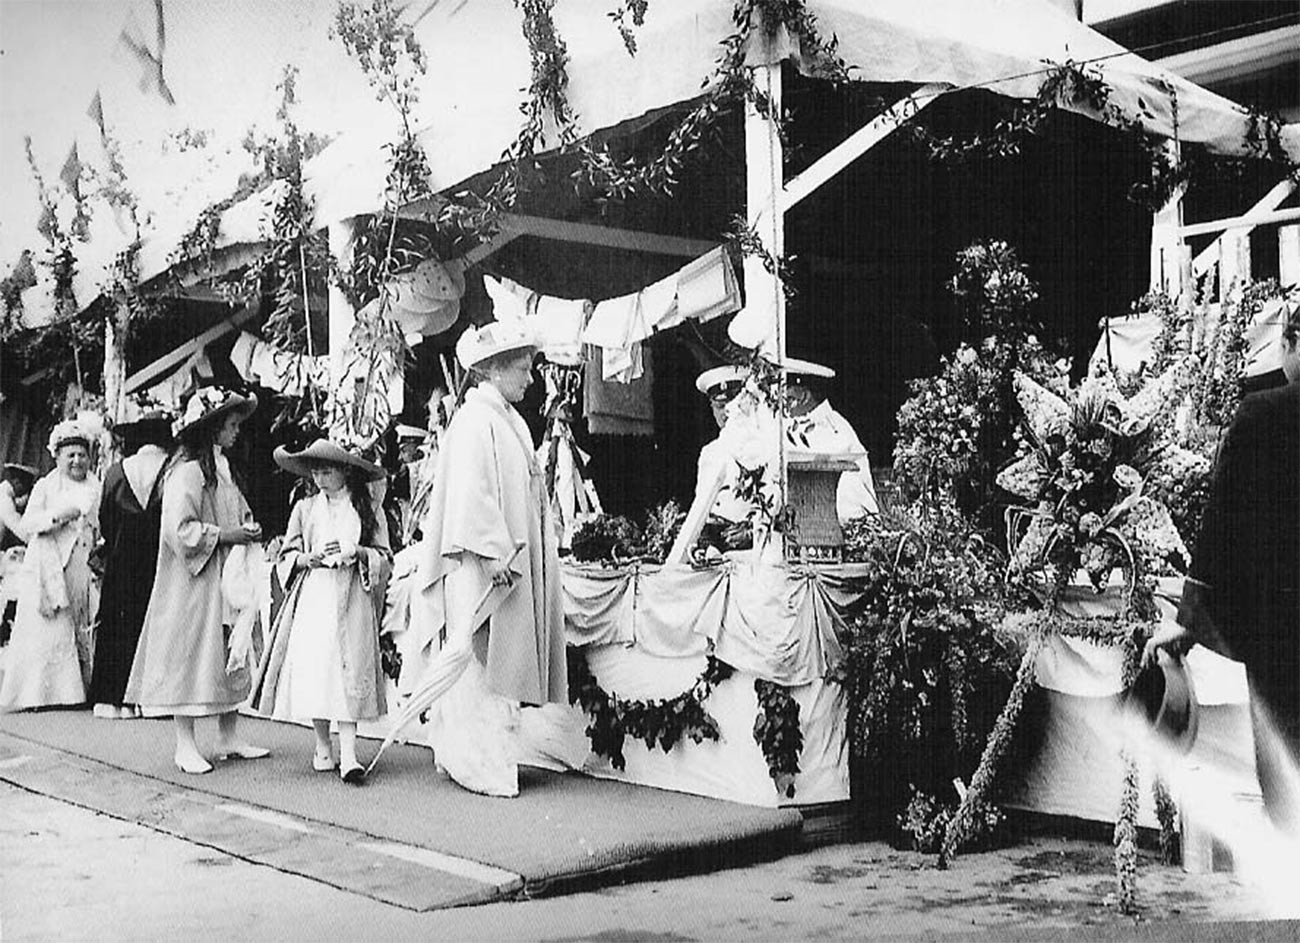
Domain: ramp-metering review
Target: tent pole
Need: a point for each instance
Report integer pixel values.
(763, 208)
(764, 211)
(1167, 239)
(342, 316)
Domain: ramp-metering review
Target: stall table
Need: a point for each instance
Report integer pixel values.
(646, 632)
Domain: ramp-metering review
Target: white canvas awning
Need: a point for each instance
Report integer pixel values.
(468, 111)
(468, 115)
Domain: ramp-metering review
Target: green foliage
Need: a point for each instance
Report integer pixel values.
(663, 722)
(1219, 389)
(777, 733)
(1064, 84)
(617, 540)
(635, 10)
(924, 823)
(924, 670)
(958, 428)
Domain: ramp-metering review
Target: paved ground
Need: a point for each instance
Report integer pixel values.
(71, 872)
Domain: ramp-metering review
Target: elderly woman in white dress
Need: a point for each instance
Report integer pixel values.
(49, 655)
(181, 662)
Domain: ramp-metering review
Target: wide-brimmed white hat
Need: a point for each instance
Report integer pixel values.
(323, 450)
(477, 344)
(209, 402)
(721, 376)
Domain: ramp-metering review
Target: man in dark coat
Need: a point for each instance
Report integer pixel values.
(1242, 595)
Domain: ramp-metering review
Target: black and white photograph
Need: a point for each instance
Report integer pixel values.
(649, 470)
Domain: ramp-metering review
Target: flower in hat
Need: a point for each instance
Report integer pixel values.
(68, 432)
(208, 402)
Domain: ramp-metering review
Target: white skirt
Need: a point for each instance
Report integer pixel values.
(311, 681)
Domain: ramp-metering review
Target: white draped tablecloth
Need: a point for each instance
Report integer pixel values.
(647, 630)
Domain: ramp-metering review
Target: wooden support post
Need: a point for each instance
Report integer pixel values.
(858, 143)
(116, 325)
(1167, 241)
(149, 375)
(763, 324)
(342, 315)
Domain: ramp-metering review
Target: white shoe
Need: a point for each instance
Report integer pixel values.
(106, 712)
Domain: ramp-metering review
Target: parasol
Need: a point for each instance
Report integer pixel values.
(446, 668)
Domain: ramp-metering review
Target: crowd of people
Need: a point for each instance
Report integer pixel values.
(157, 636)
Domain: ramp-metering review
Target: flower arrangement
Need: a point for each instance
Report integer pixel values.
(994, 289)
(924, 672)
(616, 540)
(956, 428)
(1083, 465)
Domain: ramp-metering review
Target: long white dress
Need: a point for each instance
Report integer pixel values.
(48, 659)
(311, 681)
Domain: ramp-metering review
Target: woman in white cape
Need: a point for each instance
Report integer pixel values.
(489, 577)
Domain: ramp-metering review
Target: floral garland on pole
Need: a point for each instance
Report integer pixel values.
(1082, 470)
(392, 59)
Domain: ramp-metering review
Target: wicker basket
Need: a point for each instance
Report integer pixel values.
(812, 485)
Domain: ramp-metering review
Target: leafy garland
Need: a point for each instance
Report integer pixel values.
(777, 732)
(1082, 85)
(1125, 836)
(1068, 82)
(391, 58)
(664, 722)
(1219, 391)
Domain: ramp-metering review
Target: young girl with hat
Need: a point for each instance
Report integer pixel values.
(322, 660)
(180, 665)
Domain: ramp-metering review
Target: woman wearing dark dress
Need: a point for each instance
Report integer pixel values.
(129, 519)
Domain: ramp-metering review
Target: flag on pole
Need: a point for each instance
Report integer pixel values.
(71, 173)
(48, 223)
(96, 113)
(149, 59)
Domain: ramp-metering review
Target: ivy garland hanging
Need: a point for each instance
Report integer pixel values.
(777, 733)
(666, 721)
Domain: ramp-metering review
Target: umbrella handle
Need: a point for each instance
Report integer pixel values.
(477, 620)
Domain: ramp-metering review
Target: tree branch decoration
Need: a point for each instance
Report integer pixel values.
(391, 58)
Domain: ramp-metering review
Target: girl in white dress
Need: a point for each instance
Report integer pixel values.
(322, 662)
(49, 656)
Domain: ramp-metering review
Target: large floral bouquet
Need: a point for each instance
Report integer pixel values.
(957, 427)
(1093, 469)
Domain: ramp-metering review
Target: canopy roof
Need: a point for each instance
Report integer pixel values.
(467, 114)
(468, 111)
